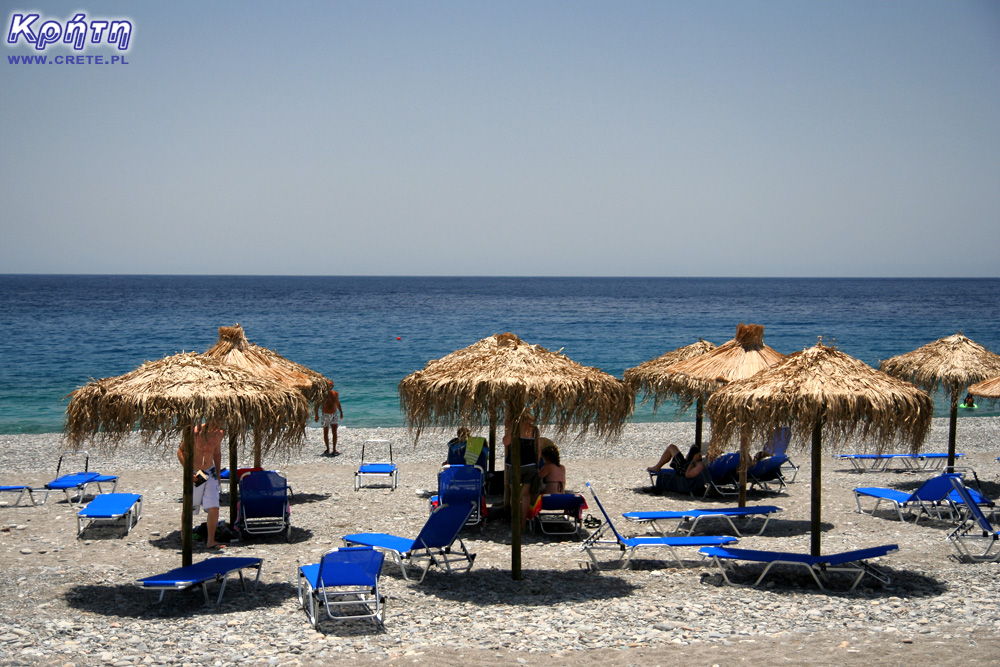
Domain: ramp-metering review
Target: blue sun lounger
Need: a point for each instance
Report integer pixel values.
(433, 544)
(78, 481)
(693, 516)
(975, 528)
(199, 574)
(110, 507)
(263, 508)
(849, 562)
(20, 490)
(347, 580)
(381, 469)
(461, 485)
(626, 546)
(932, 498)
(767, 471)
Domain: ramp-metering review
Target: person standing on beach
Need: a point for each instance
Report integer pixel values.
(207, 463)
(332, 414)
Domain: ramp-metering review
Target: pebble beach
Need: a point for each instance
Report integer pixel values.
(72, 601)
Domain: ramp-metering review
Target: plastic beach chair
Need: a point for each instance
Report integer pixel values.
(930, 498)
(626, 546)
(433, 544)
(346, 580)
(974, 528)
(461, 485)
(559, 513)
(687, 520)
(20, 490)
(110, 507)
(379, 469)
(850, 562)
(199, 574)
(767, 471)
(78, 481)
(263, 508)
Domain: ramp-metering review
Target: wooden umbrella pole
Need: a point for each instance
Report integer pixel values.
(817, 488)
(514, 420)
(698, 412)
(952, 428)
(234, 480)
(187, 537)
(493, 444)
(744, 460)
(256, 449)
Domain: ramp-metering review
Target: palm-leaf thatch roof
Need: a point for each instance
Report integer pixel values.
(474, 384)
(652, 376)
(821, 385)
(987, 388)
(740, 358)
(161, 398)
(953, 362)
(234, 349)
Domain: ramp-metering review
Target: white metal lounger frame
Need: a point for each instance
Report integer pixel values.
(695, 516)
(20, 490)
(376, 468)
(817, 569)
(974, 521)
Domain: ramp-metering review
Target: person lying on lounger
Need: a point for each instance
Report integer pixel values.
(690, 466)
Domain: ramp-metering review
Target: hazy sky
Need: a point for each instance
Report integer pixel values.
(509, 138)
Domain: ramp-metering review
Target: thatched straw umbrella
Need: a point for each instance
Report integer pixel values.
(742, 357)
(505, 376)
(234, 349)
(987, 388)
(170, 396)
(653, 378)
(954, 363)
(821, 393)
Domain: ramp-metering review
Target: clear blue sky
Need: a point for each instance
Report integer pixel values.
(530, 138)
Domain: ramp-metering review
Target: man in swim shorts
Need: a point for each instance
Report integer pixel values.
(332, 414)
(207, 463)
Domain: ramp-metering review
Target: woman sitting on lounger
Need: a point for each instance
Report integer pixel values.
(553, 473)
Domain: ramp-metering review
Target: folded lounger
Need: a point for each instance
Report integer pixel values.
(110, 507)
(559, 513)
(20, 490)
(461, 485)
(345, 579)
(381, 469)
(934, 498)
(78, 481)
(851, 562)
(626, 546)
(199, 574)
(693, 516)
(263, 507)
(974, 529)
(432, 544)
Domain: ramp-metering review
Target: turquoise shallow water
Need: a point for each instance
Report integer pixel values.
(58, 332)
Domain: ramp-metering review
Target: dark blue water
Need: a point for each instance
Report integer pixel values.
(367, 333)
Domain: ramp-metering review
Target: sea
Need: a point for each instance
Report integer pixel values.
(58, 332)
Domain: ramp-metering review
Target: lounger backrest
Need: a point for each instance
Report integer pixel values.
(777, 444)
(263, 494)
(351, 566)
(767, 466)
(724, 466)
(607, 517)
(443, 526)
(975, 511)
(460, 484)
(935, 489)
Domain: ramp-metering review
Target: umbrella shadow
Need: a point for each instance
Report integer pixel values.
(795, 581)
(537, 588)
(172, 540)
(121, 599)
(300, 498)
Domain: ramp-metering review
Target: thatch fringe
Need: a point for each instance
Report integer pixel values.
(652, 376)
(234, 349)
(821, 385)
(737, 359)
(474, 385)
(161, 398)
(953, 362)
(987, 388)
